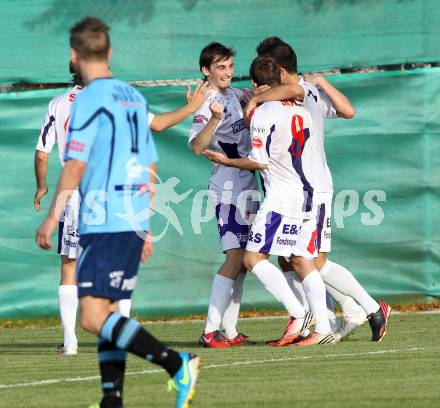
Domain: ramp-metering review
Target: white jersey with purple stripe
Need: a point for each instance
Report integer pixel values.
(320, 107)
(231, 137)
(56, 123)
(283, 138)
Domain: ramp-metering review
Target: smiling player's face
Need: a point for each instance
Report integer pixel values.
(220, 73)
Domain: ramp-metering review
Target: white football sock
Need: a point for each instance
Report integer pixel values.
(334, 293)
(315, 291)
(329, 302)
(341, 279)
(275, 282)
(68, 300)
(125, 307)
(331, 312)
(221, 293)
(297, 288)
(347, 304)
(351, 310)
(230, 317)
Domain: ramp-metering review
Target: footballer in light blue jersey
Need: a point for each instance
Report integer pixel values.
(109, 131)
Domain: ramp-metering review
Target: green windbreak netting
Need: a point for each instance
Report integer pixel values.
(386, 170)
(155, 39)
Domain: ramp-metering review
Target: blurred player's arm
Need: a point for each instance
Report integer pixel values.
(45, 144)
(204, 137)
(195, 101)
(69, 180)
(41, 161)
(152, 182)
(342, 104)
(148, 248)
(151, 158)
(277, 93)
(242, 163)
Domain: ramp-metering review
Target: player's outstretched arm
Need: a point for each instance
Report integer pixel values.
(342, 104)
(242, 163)
(40, 164)
(203, 139)
(68, 182)
(195, 101)
(277, 93)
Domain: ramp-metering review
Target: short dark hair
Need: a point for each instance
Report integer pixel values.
(89, 38)
(214, 52)
(265, 71)
(76, 76)
(267, 44)
(282, 52)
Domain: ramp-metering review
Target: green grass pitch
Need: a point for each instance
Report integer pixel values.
(402, 371)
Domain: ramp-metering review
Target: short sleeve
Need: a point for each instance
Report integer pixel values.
(83, 128)
(48, 136)
(260, 132)
(325, 103)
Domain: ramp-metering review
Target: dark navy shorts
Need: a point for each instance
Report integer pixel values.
(108, 263)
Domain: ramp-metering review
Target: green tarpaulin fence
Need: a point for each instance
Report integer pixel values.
(386, 169)
(155, 39)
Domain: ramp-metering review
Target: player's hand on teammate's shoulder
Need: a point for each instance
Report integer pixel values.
(38, 196)
(197, 98)
(147, 249)
(45, 231)
(217, 110)
(215, 157)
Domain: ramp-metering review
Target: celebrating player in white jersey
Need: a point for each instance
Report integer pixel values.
(219, 124)
(284, 149)
(53, 132)
(323, 101)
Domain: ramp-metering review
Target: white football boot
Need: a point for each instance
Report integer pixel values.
(353, 317)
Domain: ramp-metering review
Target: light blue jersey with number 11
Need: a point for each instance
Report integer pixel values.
(109, 131)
